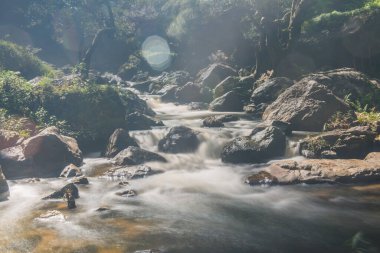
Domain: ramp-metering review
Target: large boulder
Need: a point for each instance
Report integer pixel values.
(348, 82)
(4, 188)
(355, 142)
(192, 92)
(179, 140)
(307, 105)
(214, 74)
(139, 121)
(262, 145)
(119, 140)
(8, 138)
(268, 91)
(233, 83)
(136, 156)
(230, 102)
(43, 155)
(323, 171)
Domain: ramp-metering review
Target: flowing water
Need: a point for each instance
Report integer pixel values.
(197, 204)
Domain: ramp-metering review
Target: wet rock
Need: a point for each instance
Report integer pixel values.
(136, 156)
(149, 251)
(329, 154)
(4, 188)
(355, 142)
(142, 86)
(69, 188)
(261, 178)
(119, 140)
(214, 74)
(179, 140)
(306, 105)
(71, 171)
(102, 209)
(255, 110)
(139, 121)
(263, 145)
(229, 102)
(43, 155)
(212, 121)
(81, 180)
(327, 171)
(191, 92)
(217, 121)
(8, 138)
(285, 127)
(268, 91)
(131, 173)
(70, 199)
(127, 193)
(124, 183)
(168, 93)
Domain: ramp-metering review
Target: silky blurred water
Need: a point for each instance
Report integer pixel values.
(197, 204)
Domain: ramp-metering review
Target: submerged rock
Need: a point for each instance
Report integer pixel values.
(180, 139)
(327, 171)
(136, 156)
(355, 142)
(119, 140)
(4, 188)
(262, 145)
(81, 180)
(127, 193)
(69, 192)
(43, 155)
(307, 105)
(131, 173)
(261, 178)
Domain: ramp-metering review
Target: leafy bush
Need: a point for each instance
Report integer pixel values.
(17, 58)
(87, 112)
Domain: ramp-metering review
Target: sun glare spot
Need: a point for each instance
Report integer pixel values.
(156, 52)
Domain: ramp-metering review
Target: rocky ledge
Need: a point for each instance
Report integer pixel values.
(320, 171)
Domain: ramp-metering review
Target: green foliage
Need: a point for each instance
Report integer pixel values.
(334, 19)
(86, 111)
(368, 118)
(17, 58)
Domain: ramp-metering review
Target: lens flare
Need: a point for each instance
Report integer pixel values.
(156, 52)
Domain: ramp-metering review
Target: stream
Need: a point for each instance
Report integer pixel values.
(196, 204)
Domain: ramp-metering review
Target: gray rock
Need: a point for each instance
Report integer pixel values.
(119, 140)
(269, 91)
(306, 105)
(179, 140)
(43, 155)
(264, 144)
(314, 171)
(230, 102)
(355, 142)
(136, 156)
(214, 74)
